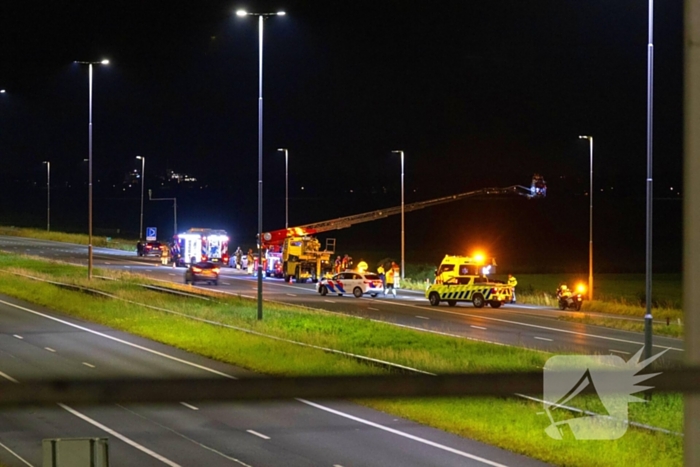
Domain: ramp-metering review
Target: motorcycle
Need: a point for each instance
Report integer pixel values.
(570, 299)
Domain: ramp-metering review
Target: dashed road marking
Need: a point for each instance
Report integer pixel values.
(292, 294)
(373, 309)
(619, 351)
(422, 317)
(50, 349)
(189, 406)
(259, 435)
(18, 336)
(477, 327)
(88, 365)
(544, 339)
(329, 301)
(171, 274)
(16, 455)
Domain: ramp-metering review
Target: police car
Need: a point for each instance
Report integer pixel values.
(351, 282)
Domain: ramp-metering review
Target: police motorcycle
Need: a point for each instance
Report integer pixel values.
(570, 299)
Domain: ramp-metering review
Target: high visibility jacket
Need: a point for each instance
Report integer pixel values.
(362, 266)
(380, 270)
(390, 276)
(512, 281)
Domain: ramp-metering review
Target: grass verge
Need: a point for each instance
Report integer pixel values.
(80, 239)
(509, 423)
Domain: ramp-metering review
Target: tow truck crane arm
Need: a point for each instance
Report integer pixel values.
(276, 237)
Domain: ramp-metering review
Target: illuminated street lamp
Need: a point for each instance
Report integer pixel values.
(286, 187)
(261, 18)
(48, 195)
(590, 221)
(2, 91)
(90, 64)
(143, 182)
(403, 242)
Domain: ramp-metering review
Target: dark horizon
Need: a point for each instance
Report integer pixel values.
(476, 95)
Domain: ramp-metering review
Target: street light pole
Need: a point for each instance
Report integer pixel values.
(650, 187)
(403, 238)
(590, 221)
(261, 18)
(90, 64)
(48, 196)
(143, 182)
(286, 187)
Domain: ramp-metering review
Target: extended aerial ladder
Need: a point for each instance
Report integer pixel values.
(302, 255)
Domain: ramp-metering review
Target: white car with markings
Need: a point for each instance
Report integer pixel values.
(351, 282)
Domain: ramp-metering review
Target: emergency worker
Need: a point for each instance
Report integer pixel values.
(397, 274)
(251, 261)
(563, 291)
(139, 248)
(165, 254)
(389, 286)
(337, 264)
(238, 254)
(512, 282)
(380, 271)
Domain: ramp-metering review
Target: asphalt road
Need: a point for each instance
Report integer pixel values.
(37, 343)
(520, 325)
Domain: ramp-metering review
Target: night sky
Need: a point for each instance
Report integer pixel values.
(477, 94)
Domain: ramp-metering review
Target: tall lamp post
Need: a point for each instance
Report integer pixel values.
(90, 64)
(403, 238)
(143, 182)
(261, 18)
(48, 195)
(590, 221)
(650, 187)
(286, 187)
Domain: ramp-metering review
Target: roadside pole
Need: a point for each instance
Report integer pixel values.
(691, 217)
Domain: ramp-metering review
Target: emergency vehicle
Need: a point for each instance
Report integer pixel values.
(200, 245)
(302, 255)
(463, 279)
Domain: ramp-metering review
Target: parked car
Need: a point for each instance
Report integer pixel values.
(351, 282)
(151, 249)
(202, 272)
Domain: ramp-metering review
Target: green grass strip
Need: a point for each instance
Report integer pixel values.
(508, 423)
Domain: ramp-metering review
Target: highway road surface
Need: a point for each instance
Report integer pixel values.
(520, 325)
(37, 343)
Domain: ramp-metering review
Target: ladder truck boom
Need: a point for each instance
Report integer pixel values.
(277, 237)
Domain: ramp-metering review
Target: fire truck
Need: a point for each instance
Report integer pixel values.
(304, 259)
(198, 244)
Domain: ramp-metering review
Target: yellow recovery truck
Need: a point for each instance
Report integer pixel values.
(463, 279)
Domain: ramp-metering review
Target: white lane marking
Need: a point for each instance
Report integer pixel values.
(107, 262)
(405, 435)
(259, 435)
(18, 336)
(8, 377)
(247, 296)
(16, 455)
(292, 294)
(128, 441)
(373, 309)
(149, 270)
(544, 339)
(121, 341)
(422, 317)
(329, 301)
(537, 326)
(477, 327)
(50, 349)
(177, 433)
(619, 351)
(88, 365)
(171, 274)
(226, 283)
(189, 406)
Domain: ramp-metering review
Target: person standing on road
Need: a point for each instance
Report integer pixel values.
(390, 282)
(337, 264)
(512, 282)
(251, 261)
(397, 274)
(380, 271)
(239, 254)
